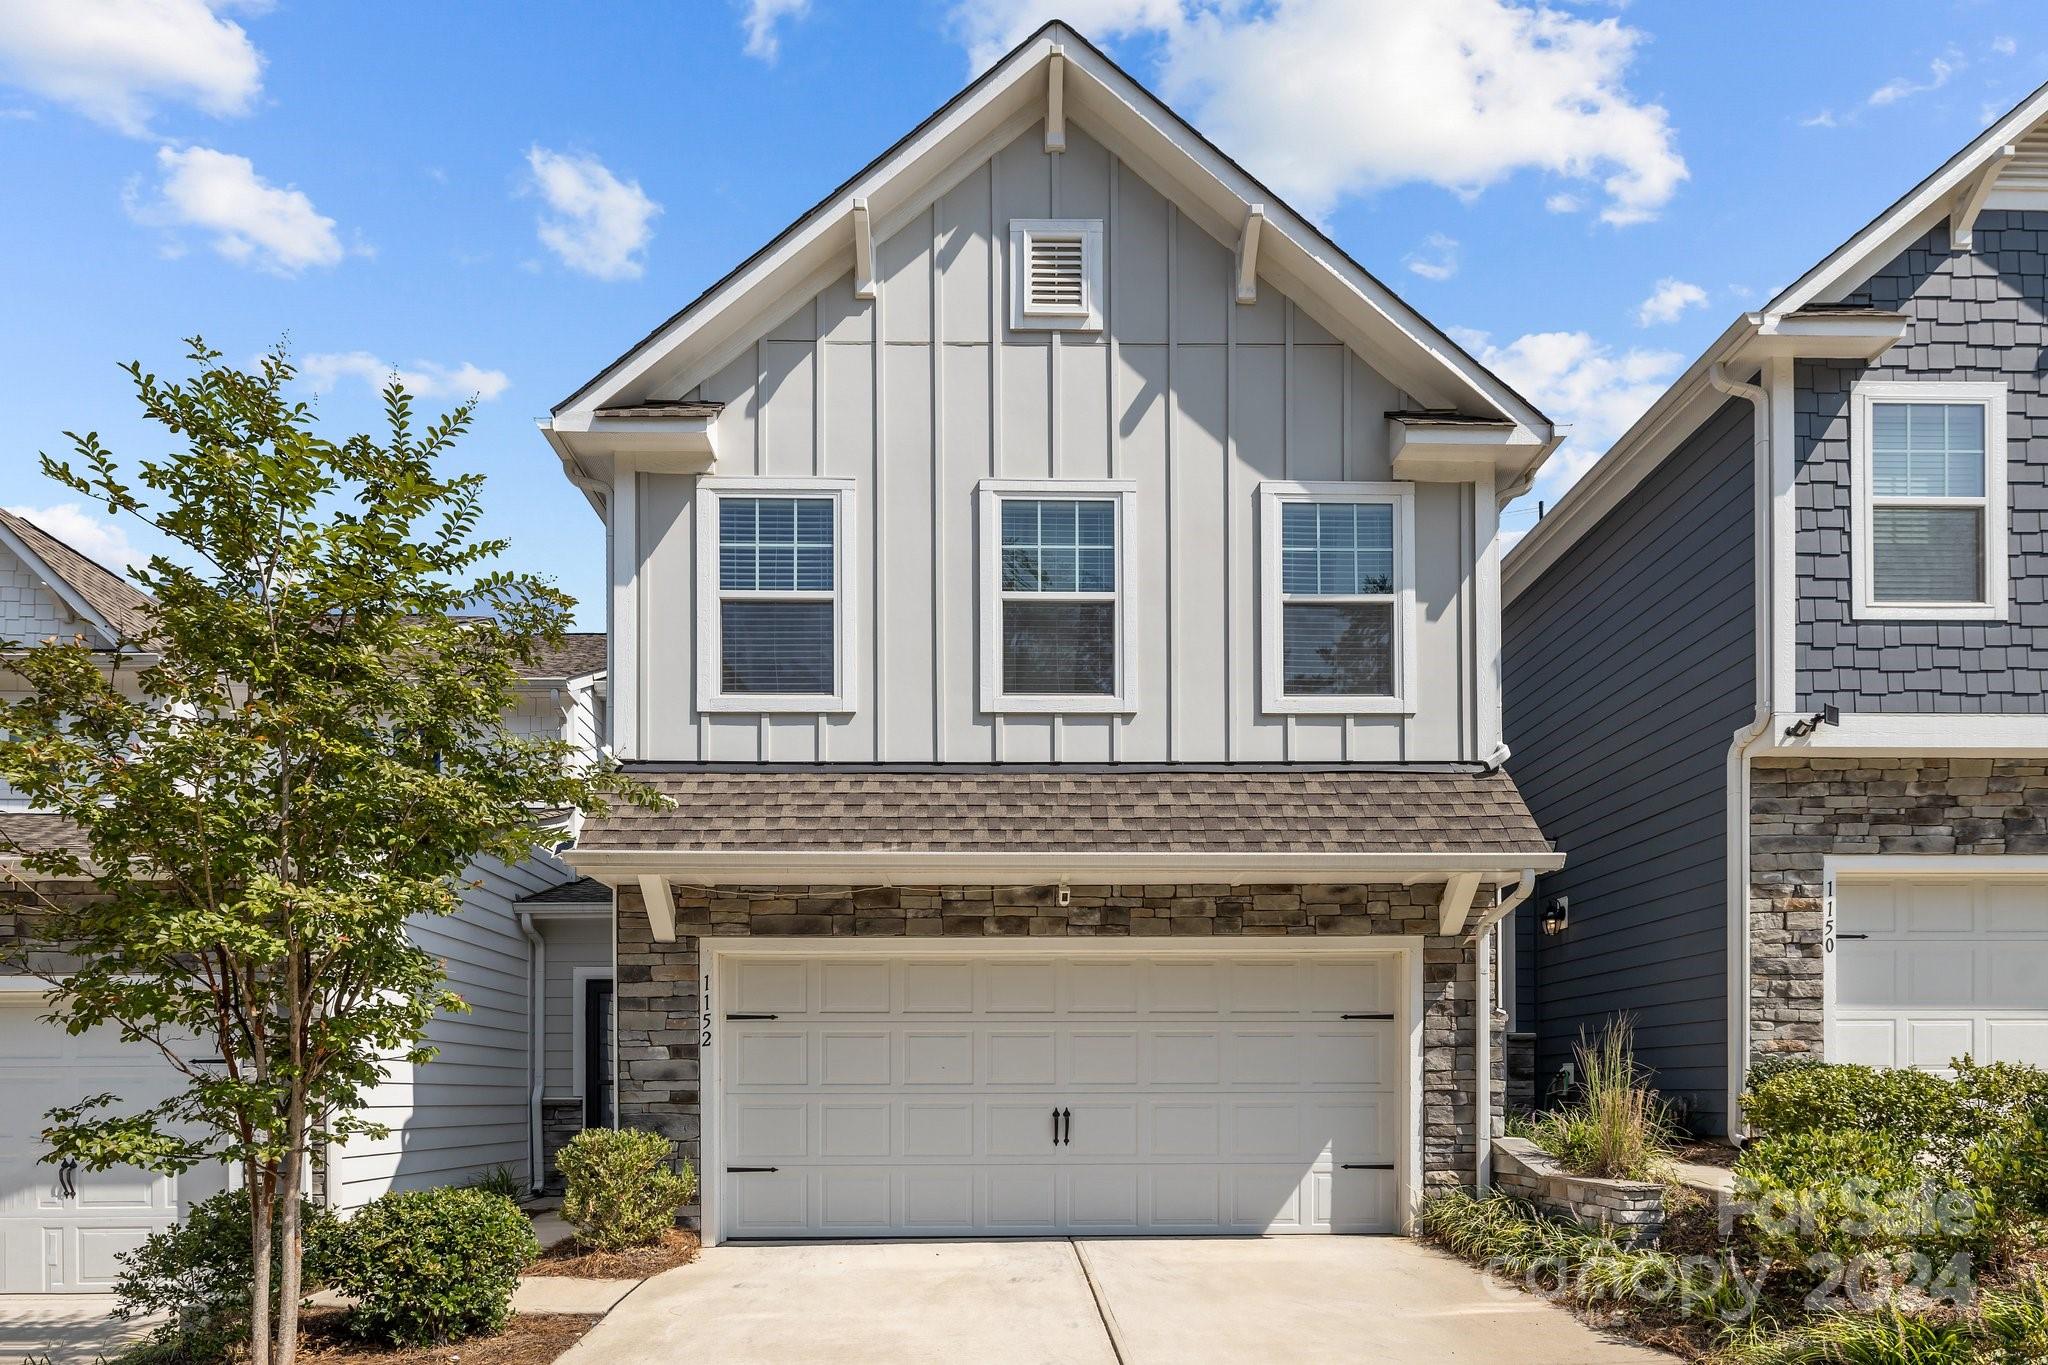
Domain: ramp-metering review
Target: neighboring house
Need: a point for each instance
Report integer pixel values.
(1059, 588)
(1775, 669)
(525, 951)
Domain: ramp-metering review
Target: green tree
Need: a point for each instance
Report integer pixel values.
(315, 754)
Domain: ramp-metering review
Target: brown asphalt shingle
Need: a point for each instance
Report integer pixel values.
(1149, 810)
(24, 832)
(118, 601)
(580, 653)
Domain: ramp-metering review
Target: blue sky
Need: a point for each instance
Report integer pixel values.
(502, 198)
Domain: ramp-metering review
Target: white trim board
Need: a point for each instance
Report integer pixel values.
(1993, 398)
(1273, 496)
(1906, 735)
(718, 952)
(578, 1032)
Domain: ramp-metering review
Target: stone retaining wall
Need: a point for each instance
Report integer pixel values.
(1801, 811)
(1630, 1209)
(659, 1028)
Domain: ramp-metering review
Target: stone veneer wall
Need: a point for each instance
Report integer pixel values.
(560, 1120)
(1801, 811)
(659, 1025)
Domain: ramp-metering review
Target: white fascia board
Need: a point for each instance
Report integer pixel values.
(679, 445)
(1832, 336)
(1911, 735)
(589, 481)
(1461, 454)
(1293, 254)
(1926, 204)
(1211, 190)
(819, 247)
(68, 595)
(909, 867)
(1675, 415)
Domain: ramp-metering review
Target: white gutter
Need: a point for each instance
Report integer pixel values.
(1735, 785)
(913, 867)
(1482, 1016)
(536, 1042)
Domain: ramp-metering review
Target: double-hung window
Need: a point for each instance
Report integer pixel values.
(1337, 597)
(1056, 603)
(1929, 481)
(774, 616)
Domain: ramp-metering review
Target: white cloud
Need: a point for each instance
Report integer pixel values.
(115, 61)
(1938, 73)
(253, 222)
(422, 379)
(599, 224)
(1668, 301)
(1824, 119)
(760, 22)
(1581, 383)
(1330, 98)
(1563, 203)
(1436, 260)
(104, 542)
(2004, 45)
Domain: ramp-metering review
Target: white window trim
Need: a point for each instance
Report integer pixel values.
(1274, 699)
(581, 977)
(989, 495)
(1085, 319)
(1997, 512)
(711, 695)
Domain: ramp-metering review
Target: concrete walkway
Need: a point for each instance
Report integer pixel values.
(1138, 1302)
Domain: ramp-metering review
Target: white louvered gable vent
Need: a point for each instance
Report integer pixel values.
(1056, 275)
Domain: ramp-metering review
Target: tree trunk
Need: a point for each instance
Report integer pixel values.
(261, 1194)
(290, 1253)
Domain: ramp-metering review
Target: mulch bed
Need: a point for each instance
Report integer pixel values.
(528, 1339)
(677, 1246)
(1707, 1153)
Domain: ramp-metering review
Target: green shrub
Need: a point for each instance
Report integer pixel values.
(1583, 1266)
(1916, 1106)
(199, 1275)
(427, 1267)
(618, 1190)
(1849, 1193)
(1616, 1129)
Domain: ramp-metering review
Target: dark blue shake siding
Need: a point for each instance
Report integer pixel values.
(1978, 316)
(1628, 668)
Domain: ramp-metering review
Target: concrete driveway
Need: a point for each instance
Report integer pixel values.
(71, 1329)
(1122, 1302)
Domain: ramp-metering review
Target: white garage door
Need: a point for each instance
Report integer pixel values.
(1926, 970)
(1016, 1096)
(60, 1233)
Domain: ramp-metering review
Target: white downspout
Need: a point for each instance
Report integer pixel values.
(536, 1042)
(1482, 1020)
(1736, 782)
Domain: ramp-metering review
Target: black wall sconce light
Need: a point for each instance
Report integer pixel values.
(1557, 915)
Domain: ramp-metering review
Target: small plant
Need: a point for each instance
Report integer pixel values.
(1616, 1128)
(427, 1267)
(499, 1180)
(198, 1274)
(618, 1190)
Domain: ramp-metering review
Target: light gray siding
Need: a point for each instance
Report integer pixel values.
(1629, 666)
(1976, 315)
(468, 1110)
(925, 390)
(582, 941)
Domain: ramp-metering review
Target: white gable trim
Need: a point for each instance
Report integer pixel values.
(1131, 123)
(63, 591)
(1926, 204)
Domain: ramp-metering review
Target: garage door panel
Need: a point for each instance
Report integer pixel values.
(778, 1057)
(1235, 1120)
(938, 1058)
(2016, 1040)
(771, 988)
(1927, 970)
(849, 1058)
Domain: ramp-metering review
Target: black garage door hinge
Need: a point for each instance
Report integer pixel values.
(753, 1016)
(1367, 1166)
(752, 1170)
(1388, 1017)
